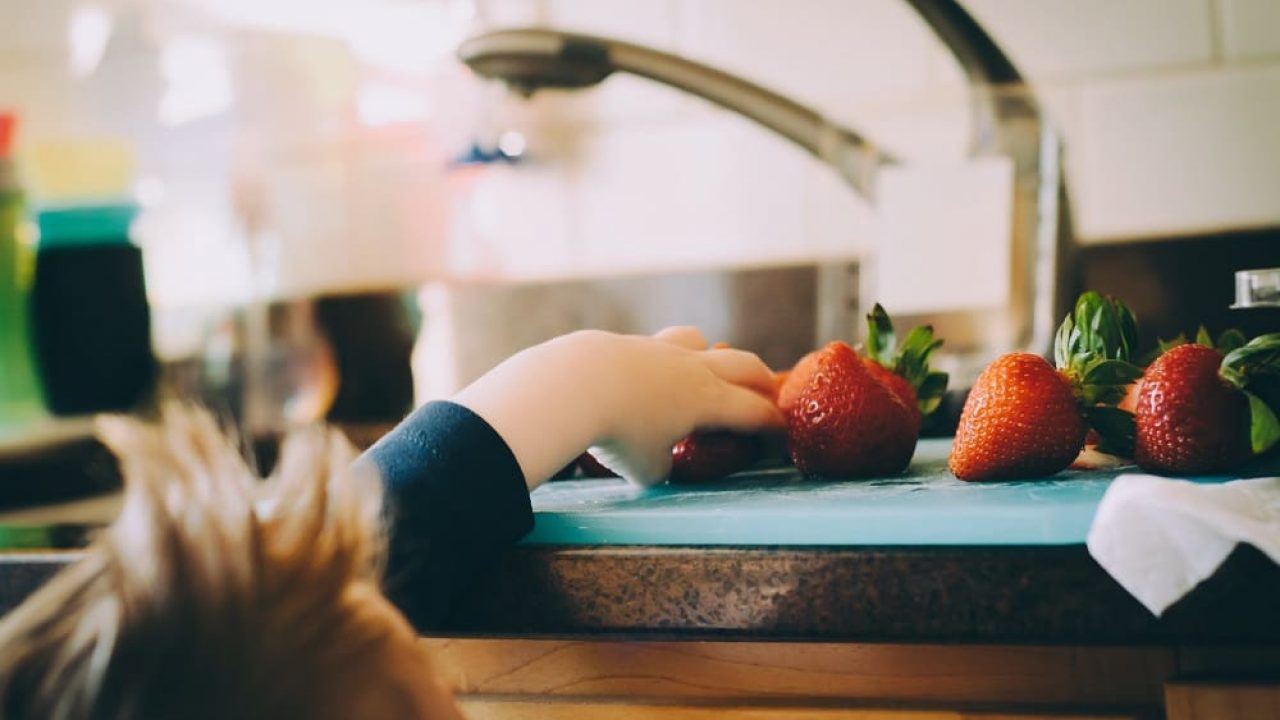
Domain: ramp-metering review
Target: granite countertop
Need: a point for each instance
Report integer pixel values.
(1041, 595)
(773, 557)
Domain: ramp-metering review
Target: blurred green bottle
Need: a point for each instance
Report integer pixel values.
(21, 399)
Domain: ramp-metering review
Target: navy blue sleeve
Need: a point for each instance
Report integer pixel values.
(455, 499)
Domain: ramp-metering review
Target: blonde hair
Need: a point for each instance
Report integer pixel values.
(214, 594)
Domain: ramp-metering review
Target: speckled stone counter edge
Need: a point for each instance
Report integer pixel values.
(981, 594)
(1040, 595)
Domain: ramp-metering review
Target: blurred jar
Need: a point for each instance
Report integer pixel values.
(92, 323)
(266, 365)
(342, 359)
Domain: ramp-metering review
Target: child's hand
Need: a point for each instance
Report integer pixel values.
(629, 396)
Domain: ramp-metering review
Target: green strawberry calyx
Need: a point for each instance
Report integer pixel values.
(1254, 368)
(908, 359)
(1094, 349)
(1228, 340)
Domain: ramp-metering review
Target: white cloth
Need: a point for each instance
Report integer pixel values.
(1159, 538)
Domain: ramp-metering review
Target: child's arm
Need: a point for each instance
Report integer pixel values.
(458, 473)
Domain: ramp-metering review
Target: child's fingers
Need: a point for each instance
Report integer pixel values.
(744, 410)
(741, 368)
(686, 336)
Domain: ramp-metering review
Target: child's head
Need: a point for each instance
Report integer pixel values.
(215, 595)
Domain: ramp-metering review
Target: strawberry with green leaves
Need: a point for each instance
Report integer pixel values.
(1201, 410)
(854, 416)
(1227, 341)
(1025, 418)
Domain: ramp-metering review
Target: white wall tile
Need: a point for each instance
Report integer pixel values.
(496, 14)
(1057, 38)
(712, 191)
(40, 96)
(34, 30)
(838, 221)
(1162, 138)
(812, 50)
(652, 22)
(1250, 28)
(944, 70)
(912, 126)
(510, 222)
(1180, 154)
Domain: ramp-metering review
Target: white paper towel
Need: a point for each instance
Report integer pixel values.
(1159, 538)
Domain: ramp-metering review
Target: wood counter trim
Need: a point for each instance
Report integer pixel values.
(1222, 701)
(504, 709)
(752, 671)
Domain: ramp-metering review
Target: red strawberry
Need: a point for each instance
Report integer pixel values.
(901, 370)
(905, 368)
(1228, 341)
(846, 423)
(1195, 414)
(1021, 420)
(897, 384)
(1024, 418)
(713, 454)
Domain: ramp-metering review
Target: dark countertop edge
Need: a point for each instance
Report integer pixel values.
(970, 594)
(917, 594)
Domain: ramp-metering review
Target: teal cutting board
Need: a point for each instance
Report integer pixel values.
(927, 506)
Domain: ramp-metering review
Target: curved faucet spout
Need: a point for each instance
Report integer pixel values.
(532, 59)
(1005, 123)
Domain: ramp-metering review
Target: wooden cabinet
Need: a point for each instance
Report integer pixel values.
(519, 679)
(1222, 701)
(514, 679)
(562, 710)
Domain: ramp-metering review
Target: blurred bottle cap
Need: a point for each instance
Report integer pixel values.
(82, 225)
(1257, 288)
(8, 123)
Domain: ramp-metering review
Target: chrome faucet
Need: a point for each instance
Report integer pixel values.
(1004, 123)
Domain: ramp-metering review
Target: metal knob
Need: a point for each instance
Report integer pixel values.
(1257, 288)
